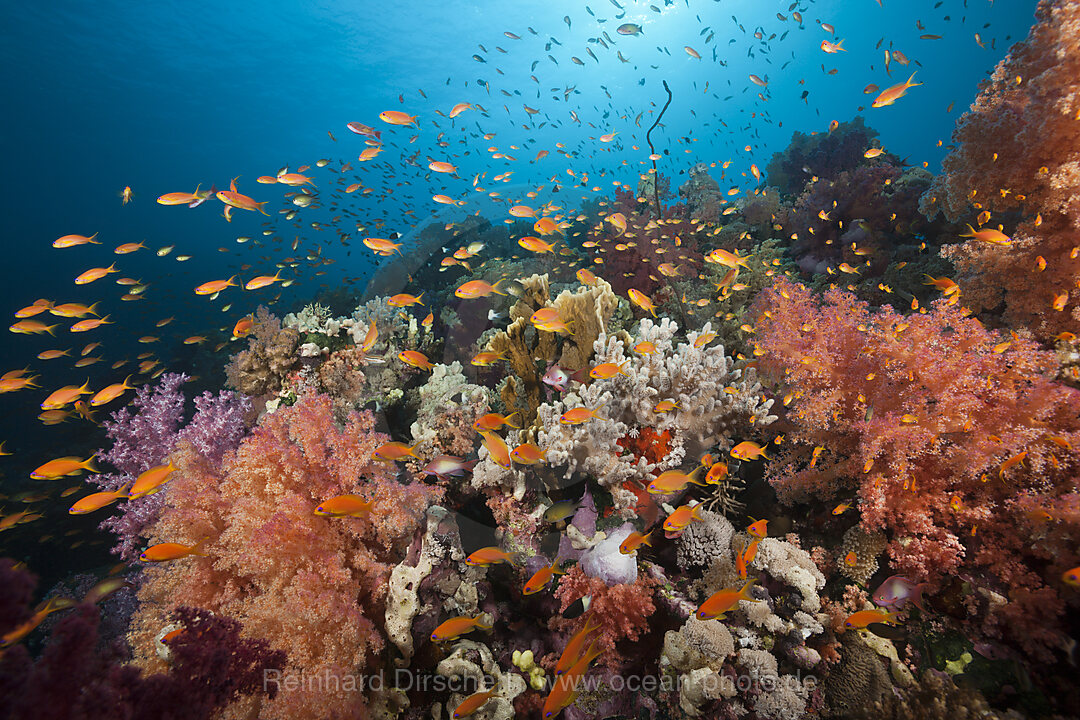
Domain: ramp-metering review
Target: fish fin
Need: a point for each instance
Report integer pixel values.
(645, 540)
(481, 625)
(507, 419)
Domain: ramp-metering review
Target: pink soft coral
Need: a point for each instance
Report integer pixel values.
(952, 442)
(622, 611)
(309, 584)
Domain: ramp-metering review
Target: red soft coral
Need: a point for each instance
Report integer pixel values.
(927, 418)
(622, 611)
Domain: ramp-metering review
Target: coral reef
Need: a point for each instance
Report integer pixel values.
(271, 355)
(145, 432)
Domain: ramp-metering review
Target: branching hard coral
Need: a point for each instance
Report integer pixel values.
(622, 611)
(307, 583)
(271, 355)
(953, 443)
(714, 401)
(1018, 150)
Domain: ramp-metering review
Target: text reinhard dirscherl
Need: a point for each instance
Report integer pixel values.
(407, 680)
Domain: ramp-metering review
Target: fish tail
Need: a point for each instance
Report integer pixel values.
(91, 309)
(909, 83)
(481, 625)
(419, 297)
(495, 287)
(692, 477)
(744, 591)
(197, 548)
(49, 329)
(645, 540)
(506, 419)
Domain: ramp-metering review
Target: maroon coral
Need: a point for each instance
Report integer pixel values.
(919, 415)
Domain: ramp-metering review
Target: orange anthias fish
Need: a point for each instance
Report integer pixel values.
(527, 454)
(487, 358)
(579, 415)
(94, 274)
(262, 281)
(759, 528)
(536, 245)
(392, 451)
(382, 246)
(633, 541)
(110, 393)
(988, 235)
(719, 603)
(396, 117)
(748, 450)
(894, 93)
(673, 481)
(565, 690)
(344, 506)
(542, 577)
(63, 467)
(642, 300)
(163, 552)
(232, 198)
(474, 702)
(150, 481)
(681, 517)
(573, 650)
(497, 449)
(716, 474)
(485, 557)
(74, 240)
(44, 610)
(494, 421)
(215, 286)
(863, 618)
(96, 501)
(454, 628)
(405, 300)
(415, 359)
(65, 396)
(477, 289)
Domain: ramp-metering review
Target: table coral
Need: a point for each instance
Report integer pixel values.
(270, 558)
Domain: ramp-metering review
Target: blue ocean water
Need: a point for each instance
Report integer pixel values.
(165, 96)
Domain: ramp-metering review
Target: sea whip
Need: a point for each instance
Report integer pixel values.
(656, 187)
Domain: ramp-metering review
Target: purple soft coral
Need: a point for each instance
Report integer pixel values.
(147, 430)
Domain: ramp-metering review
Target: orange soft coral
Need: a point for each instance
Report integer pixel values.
(311, 585)
(919, 416)
(1018, 149)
